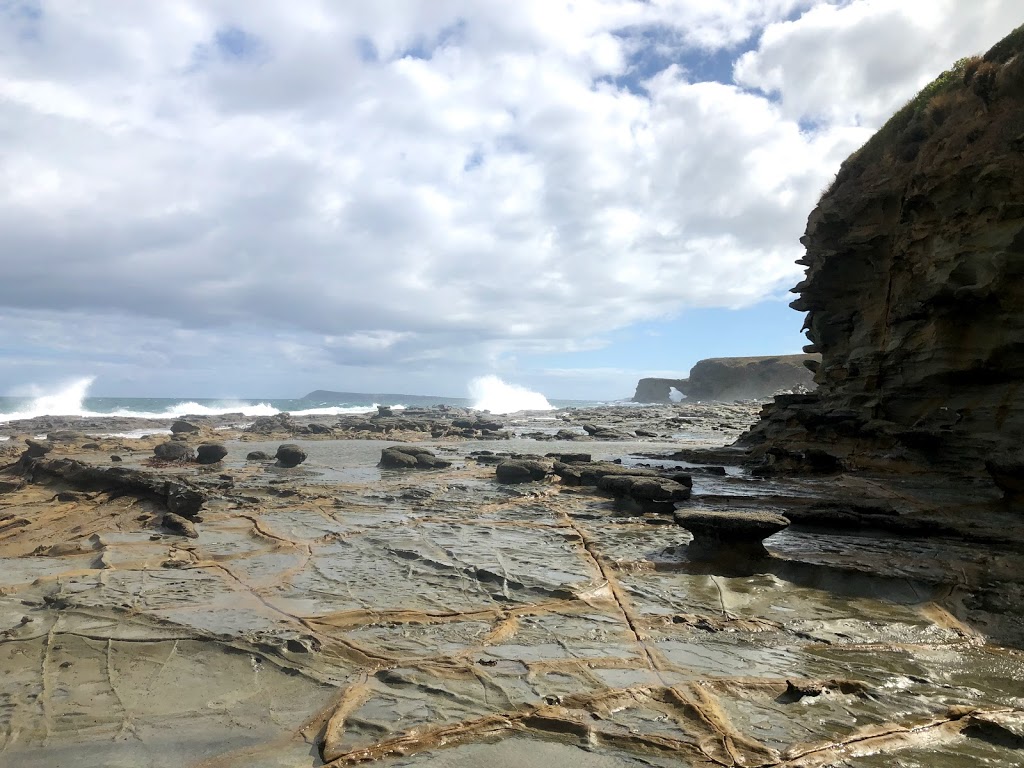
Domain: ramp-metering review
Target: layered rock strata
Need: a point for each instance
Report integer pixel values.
(724, 379)
(914, 290)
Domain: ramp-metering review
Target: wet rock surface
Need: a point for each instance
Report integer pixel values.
(342, 612)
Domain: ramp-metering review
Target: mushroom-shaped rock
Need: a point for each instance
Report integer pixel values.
(289, 455)
(210, 453)
(35, 449)
(174, 451)
(184, 427)
(410, 457)
(730, 532)
(512, 471)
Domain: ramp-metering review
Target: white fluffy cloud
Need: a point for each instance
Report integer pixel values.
(410, 183)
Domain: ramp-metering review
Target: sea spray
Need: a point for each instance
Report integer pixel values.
(489, 393)
(70, 399)
(65, 401)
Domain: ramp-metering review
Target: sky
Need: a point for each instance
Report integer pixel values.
(249, 198)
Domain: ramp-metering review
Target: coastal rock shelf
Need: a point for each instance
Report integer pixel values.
(348, 613)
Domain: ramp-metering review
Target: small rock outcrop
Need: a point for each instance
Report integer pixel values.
(730, 533)
(915, 287)
(210, 453)
(512, 471)
(184, 427)
(410, 457)
(289, 455)
(174, 451)
(727, 379)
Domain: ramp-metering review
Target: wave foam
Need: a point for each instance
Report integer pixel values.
(69, 400)
(489, 393)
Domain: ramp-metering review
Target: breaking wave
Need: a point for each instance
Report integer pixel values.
(489, 393)
(71, 399)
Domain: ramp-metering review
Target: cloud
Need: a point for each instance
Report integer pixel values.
(425, 186)
(858, 62)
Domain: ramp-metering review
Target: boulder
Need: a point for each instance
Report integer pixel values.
(171, 451)
(184, 427)
(730, 532)
(258, 456)
(289, 455)
(410, 457)
(512, 471)
(210, 453)
(385, 410)
(318, 429)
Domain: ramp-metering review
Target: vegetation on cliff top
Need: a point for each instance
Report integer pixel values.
(902, 134)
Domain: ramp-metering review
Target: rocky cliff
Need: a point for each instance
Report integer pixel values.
(914, 290)
(733, 378)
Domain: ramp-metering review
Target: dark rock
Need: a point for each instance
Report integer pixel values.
(512, 471)
(590, 473)
(258, 456)
(570, 458)
(184, 500)
(268, 425)
(319, 429)
(90, 446)
(410, 457)
(210, 453)
(644, 433)
(385, 410)
(644, 489)
(565, 434)
(36, 449)
(9, 486)
(1008, 475)
(180, 526)
(182, 426)
(174, 452)
(682, 478)
(289, 455)
(115, 457)
(724, 533)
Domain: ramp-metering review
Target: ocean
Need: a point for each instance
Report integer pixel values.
(487, 393)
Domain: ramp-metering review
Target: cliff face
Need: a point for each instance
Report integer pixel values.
(914, 289)
(733, 378)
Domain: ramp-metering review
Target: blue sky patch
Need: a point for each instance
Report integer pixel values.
(426, 47)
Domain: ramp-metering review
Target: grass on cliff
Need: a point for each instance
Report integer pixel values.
(902, 134)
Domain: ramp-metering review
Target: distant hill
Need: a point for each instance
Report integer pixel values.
(384, 398)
